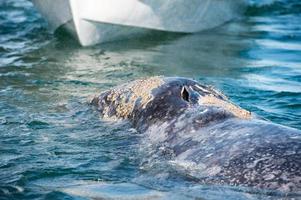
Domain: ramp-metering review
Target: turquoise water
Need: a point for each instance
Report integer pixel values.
(50, 137)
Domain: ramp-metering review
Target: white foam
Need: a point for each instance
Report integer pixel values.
(120, 191)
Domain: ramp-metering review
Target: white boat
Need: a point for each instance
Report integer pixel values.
(98, 21)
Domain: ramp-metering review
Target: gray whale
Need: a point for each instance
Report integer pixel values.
(197, 124)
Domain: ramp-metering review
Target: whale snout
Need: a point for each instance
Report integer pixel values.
(123, 101)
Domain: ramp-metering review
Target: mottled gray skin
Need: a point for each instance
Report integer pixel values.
(228, 149)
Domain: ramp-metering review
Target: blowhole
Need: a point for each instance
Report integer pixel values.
(185, 94)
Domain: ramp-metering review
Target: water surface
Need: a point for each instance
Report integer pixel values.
(51, 138)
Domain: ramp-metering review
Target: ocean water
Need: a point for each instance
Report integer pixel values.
(53, 144)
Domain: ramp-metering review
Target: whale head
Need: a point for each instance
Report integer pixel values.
(162, 98)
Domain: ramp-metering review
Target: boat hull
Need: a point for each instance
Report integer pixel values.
(98, 21)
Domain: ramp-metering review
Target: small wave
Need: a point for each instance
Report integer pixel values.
(270, 7)
(37, 124)
(7, 192)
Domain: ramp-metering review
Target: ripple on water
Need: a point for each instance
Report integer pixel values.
(37, 124)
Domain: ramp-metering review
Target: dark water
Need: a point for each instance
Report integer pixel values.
(51, 139)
